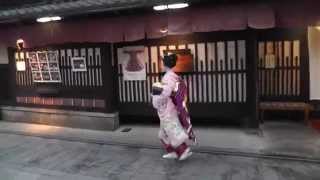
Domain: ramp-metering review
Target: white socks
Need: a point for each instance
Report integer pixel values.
(171, 155)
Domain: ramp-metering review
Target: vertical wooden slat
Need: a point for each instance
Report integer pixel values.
(17, 58)
(127, 91)
(80, 76)
(159, 63)
(76, 74)
(195, 91)
(283, 78)
(239, 55)
(216, 75)
(94, 68)
(120, 86)
(214, 87)
(146, 85)
(200, 51)
(226, 70)
(90, 67)
(190, 78)
(87, 74)
(273, 79)
(98, 57)
(70, 73)
(119, 70)
(29, 71)
(190, 88)
(265, 70)
(194, 88)
(67, 68)
(242, 57)
(276, 74)
(231, 67)
(134, 91)
(98, 52)
(155, 77)
(296, 55)
(281, 65)
(287, 53)
(84, 74)
(98, 77)
(236, 75)
(206, 80)
(297, 63)
(62, 66)
(221, 66)
(269, 50)
(139, 92)
(292, 90)
(123, 90)
(198, 80)
(244, 82)
(150, 78)
(149, 81)
(209, 59)
(142, 90)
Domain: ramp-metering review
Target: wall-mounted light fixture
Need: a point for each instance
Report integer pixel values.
(160, 7)
(170, 6)
(164, 30)
(20, 44)
(178, 5)
(48, 19)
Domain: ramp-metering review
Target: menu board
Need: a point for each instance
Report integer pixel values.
(44, 66)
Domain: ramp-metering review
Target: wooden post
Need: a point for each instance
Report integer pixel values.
(108, 79)
(252, 77)
(305, 71)
(12, 76)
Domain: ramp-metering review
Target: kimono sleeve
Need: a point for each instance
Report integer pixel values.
(168, 85)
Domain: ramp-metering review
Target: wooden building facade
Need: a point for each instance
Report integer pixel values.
(230, 76)
(251, 53)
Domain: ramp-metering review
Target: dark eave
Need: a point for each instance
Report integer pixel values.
(12, 11)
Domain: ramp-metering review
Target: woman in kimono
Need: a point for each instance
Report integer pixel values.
(169, 98)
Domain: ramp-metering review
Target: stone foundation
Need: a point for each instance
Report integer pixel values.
(65, 118)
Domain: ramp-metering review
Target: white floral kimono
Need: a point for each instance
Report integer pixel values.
(171, 132)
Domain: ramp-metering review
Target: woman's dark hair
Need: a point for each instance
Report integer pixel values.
(170, 61)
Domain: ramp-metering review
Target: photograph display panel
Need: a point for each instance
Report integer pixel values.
(45, 66)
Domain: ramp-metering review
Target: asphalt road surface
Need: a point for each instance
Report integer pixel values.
(33, 158)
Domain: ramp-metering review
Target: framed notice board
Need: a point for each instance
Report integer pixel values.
(44, 66)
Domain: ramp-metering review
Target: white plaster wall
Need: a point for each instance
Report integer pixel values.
(3, 54)
(314, 56)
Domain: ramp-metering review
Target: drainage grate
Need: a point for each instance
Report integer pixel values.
(126, 130)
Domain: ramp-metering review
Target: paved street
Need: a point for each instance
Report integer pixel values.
(33, 158)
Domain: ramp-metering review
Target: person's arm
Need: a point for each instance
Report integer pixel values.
(168, 85)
